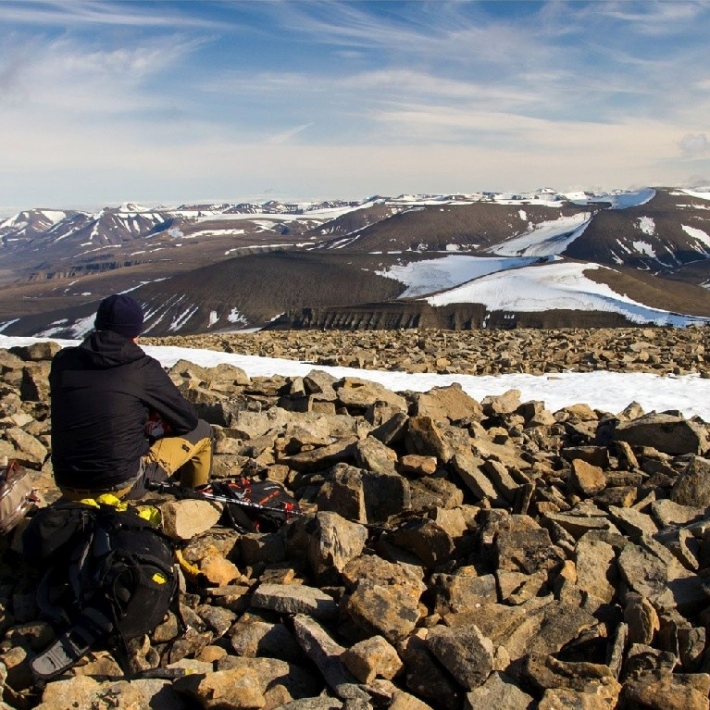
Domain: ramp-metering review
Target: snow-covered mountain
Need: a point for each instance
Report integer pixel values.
(458, 260)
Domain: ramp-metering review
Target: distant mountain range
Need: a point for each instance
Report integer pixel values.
(543, 259)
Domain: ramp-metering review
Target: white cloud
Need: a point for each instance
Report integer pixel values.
(73, 78)
(415, 97)
(654, 18)
(404, 81)
(695, 144)
(79, 13)
(288, 135)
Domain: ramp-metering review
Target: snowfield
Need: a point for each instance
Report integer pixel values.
(560, 285)
(606, 391)
(432, 275)
(546, 238)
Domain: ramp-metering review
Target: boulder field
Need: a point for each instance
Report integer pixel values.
(451, 554)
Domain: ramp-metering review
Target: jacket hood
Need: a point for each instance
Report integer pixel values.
(104, 348)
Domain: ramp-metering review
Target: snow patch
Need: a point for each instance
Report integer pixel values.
(702, 193)
(179, 321)
(623, 246)
(431, 275)
(554, 286)
(83, 326)
(606, 391)
(54, 327)
(644, 248)
(624, 200)
(236, 317)
(696, 233)
(8, 323)
(214, 233)
(547, 238)
(647, 225)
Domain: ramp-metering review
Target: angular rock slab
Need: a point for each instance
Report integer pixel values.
(692, 487)
(325, 652)
(383, 610)
(295, 599)
(660, 578)
(464, 651)
(669, 433)
(499, 692)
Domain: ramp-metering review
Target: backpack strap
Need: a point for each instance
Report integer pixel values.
(91, 626)
(65, 652)
(49, 590)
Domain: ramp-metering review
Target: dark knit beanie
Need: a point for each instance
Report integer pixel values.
(121, 314)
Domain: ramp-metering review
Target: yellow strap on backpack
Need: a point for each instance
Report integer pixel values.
(189, 570)
(149, 513)
(105, 499)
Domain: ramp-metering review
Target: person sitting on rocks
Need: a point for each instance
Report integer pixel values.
(118, 420)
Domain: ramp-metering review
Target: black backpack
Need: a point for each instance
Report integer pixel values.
(111, 578)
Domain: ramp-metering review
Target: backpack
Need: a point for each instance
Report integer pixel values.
(110, 579)
(17, 496)
(252, 505)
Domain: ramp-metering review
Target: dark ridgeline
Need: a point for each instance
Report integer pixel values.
(201, 268)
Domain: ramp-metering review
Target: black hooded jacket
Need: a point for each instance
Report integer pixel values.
(101, 394)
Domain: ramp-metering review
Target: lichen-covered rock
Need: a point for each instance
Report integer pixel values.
(464, 651)
(374, 657)
(692, 487)
(667, 432)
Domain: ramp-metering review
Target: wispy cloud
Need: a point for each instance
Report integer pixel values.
(400, 81)
(181, 95)
(288, 135)
(439, 33)
(79, 13)
(695, 144)
(75, 78)
(654, 18)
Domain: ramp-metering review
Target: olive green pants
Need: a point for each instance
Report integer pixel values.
(192, 459)
(188, 456)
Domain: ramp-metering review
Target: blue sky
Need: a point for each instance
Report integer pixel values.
(105, 101)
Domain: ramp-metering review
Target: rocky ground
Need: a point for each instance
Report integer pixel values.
(477, 352)
(453, 554)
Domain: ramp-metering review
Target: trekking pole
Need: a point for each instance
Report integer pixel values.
(164, 487)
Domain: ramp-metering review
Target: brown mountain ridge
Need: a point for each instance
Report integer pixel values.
(199, 269)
